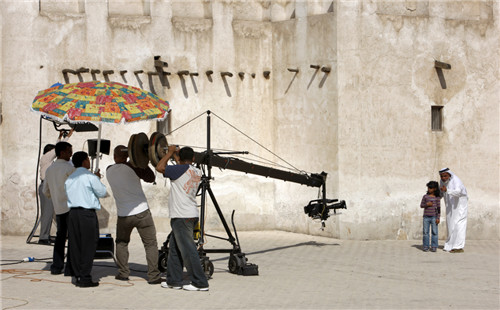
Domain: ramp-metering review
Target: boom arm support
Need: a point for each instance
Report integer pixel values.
(317, 209)
(313, 180)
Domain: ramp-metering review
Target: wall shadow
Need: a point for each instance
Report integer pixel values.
(291, 82)
(226, 86)
(440, 74)
(313, 77)
(194, 83)
(325, 76)
(183, 86)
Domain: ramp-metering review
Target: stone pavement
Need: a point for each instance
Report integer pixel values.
(295, 272)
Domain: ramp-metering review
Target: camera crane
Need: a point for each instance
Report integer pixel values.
(141, 151)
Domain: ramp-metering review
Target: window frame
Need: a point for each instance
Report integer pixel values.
(437, 118)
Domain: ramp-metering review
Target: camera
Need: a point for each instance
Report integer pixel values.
(320, 208)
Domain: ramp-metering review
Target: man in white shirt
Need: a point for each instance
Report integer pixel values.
(46, 206)
(133, 212)
(53, 187)
(456, 199)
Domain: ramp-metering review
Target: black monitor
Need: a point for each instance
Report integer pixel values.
(104, 149)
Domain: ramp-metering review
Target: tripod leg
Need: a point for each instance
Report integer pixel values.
(221, 216)
(203, 188)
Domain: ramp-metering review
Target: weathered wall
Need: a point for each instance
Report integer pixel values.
(387, 85)
(366, 122)
(306, 112)
(42, 44)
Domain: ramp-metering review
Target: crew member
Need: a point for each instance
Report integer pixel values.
(46, 206)
(184, 215)
(133, 212)
(455, 197)
(53, 187)
(83, 189)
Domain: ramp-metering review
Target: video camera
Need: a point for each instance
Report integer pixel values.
(320, 208)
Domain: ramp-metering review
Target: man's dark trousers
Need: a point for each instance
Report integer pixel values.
(58, 254)
(83, 231)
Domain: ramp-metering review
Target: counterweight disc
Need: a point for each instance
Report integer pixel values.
(157, 147)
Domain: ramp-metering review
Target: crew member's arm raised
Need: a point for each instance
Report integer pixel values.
(172, 151)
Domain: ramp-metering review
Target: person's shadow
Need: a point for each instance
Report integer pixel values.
(105, 266)
(421, 247)
(102, 269)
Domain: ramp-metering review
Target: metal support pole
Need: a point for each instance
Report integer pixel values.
(204, 184)
(209, 150)
(98, 150)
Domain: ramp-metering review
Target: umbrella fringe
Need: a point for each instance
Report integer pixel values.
(48, 116)
(122, 121)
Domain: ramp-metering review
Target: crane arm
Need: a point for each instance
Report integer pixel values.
(317, 209)
(231, 163)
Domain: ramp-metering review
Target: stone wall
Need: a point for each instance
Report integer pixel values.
(387, 85)
(306, 112)
(344, 87)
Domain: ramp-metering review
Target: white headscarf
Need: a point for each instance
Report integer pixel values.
(454, 184)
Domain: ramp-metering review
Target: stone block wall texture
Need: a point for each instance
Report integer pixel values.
(349, 91)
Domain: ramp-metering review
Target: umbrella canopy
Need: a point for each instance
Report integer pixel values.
(95, 101)
(99, 102)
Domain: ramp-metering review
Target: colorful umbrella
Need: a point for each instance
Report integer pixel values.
(98, 102)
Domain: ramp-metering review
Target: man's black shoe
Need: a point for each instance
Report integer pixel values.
(118, 277)
(158, 281)
(87, 284)
(44, 241)
(55, 272)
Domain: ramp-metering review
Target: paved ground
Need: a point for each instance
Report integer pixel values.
(295, 272)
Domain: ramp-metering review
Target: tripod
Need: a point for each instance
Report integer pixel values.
(237, 261)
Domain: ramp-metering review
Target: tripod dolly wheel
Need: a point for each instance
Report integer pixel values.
(233, 264)
(162, 260)
(208, 267)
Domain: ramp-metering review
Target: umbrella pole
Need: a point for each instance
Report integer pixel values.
(98, 150)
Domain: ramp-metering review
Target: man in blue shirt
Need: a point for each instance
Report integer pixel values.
(83, 189)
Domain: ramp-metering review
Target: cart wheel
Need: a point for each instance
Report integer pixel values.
(233, 264)
(208, 268)
(162, 260)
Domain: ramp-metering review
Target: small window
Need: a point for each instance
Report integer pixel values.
(437, 118)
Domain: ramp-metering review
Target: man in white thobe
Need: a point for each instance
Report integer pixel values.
(455, 197)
